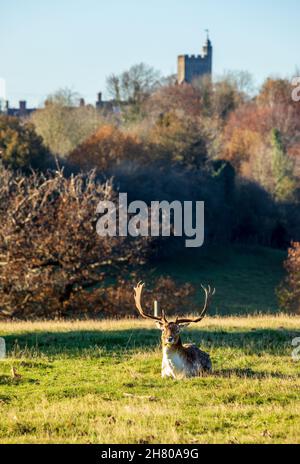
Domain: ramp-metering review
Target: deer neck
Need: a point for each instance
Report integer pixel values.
(176, 347)
(173, 360)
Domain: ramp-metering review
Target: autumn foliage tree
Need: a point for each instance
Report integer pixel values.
(20, 146)
(289, 290)
(274, 92)
(53, 263)
(184, 99)
(108, 147)
(260, 140)
(63, 125)
(179, 139)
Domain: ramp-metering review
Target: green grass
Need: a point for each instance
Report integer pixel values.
(245, 277)
(99, 382)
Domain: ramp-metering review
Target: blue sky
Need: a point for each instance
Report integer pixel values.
(46, 45)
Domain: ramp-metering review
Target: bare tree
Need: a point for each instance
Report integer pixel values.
(134, 85)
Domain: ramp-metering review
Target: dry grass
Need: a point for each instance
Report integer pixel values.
(99, 382)
(259, 321)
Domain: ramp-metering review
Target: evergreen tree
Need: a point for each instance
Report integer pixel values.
(282, 169)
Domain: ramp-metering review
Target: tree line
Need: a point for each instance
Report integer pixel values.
(215, 141)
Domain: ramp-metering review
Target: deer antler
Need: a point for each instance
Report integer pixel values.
(137, 298)
(208, 295)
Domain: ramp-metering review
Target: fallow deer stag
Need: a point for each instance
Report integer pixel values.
(178, 360)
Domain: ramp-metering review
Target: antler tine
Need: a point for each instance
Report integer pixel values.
(137, 298)
(208, 294)
(163, 315)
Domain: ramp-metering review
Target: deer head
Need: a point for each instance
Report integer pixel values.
(171, 330)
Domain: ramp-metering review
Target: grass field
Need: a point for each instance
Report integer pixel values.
(245, 277)
(99, 382)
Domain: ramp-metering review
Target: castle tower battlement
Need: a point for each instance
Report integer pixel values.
(191, 67)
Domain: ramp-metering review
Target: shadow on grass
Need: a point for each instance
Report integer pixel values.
(6, 380)
(76, 343)
(248, 373)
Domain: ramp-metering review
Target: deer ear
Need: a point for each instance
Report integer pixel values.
(159, 325)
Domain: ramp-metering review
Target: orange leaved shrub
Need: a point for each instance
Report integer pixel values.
(108, 147)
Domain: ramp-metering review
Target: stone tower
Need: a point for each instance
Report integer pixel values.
(192, 66)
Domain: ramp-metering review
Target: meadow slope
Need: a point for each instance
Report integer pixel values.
(99, 382)
(246, 277)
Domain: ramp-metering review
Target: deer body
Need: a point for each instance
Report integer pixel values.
(185, 361)
(179, 360)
